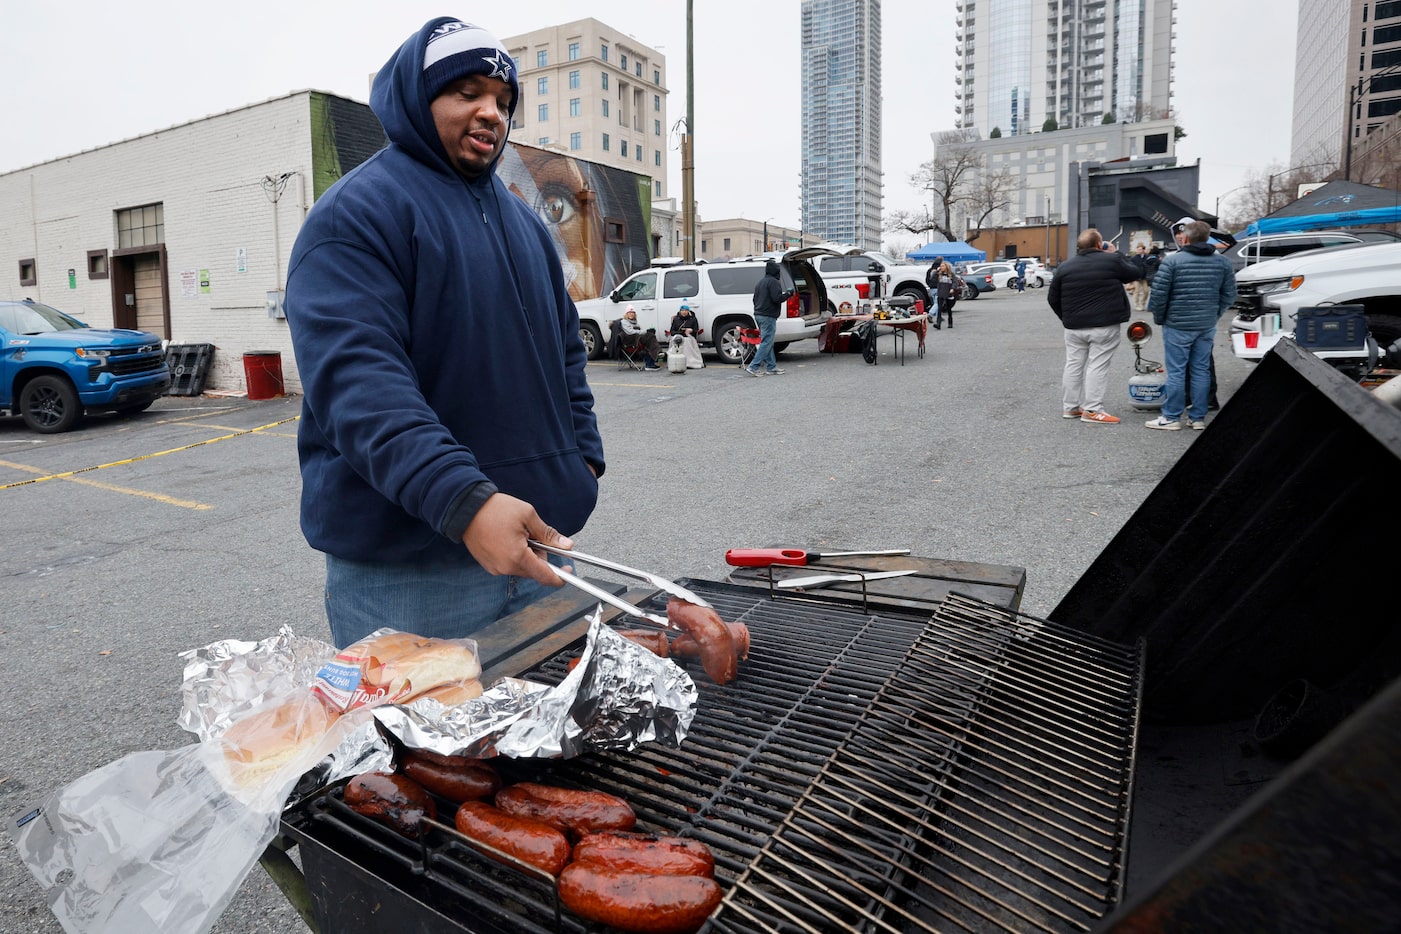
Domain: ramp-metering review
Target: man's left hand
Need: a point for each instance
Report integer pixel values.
(497, 538)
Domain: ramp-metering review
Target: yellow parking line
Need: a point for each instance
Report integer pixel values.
(158, 497)
(66, 475)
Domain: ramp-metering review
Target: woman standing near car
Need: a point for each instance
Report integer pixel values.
(949, 289)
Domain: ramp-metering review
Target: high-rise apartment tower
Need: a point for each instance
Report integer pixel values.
(841, 71)
(1022, 62)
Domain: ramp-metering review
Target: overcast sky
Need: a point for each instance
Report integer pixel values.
(83, 74)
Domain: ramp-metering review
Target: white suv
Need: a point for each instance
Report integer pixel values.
(722, 297)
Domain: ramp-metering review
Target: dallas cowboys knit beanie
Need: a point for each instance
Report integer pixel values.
(456, 50)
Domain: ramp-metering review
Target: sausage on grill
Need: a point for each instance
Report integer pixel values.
(646, 852)
(717, 652)
(637, 901)
(462, 780)
(653, 640)
(685, 645)
(571, 810)
(397, 802)
(529, 841)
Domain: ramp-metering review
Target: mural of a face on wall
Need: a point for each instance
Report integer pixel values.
(555, 187)
(573, 198)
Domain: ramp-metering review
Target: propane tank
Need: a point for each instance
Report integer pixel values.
(1147, 384)
(676, 356)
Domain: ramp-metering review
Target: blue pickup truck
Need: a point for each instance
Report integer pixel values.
(53, 367)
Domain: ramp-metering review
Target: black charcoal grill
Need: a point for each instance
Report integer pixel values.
(868, 771)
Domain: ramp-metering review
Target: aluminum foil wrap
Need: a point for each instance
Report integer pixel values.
(619, 696)
(224, 680)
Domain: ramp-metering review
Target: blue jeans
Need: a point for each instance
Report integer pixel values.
(764, 356)
(1187, 352)
(443, 601)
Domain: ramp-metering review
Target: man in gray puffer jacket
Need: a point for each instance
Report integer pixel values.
(1191, 291)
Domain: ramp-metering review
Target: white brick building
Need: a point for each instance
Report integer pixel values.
(187, 232)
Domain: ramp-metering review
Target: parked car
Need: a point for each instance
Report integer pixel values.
(1004, 275)
(54, 368)
(1249, 250)
(1364, 274)
(897, 278)
(721, 295)
(974, 284)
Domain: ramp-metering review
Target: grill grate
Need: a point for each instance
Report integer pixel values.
(866, 772)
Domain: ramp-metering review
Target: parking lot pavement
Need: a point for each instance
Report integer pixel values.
(133, 539)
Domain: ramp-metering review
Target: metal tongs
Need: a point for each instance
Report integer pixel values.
(655, 580)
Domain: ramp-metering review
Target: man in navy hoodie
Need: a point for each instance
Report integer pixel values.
(446, 418)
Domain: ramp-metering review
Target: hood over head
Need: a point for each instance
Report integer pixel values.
(444, 50)
(771, 268)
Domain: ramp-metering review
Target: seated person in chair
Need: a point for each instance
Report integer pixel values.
(685, 326)
(647, 340)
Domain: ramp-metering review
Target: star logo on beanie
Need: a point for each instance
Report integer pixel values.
(500, 65)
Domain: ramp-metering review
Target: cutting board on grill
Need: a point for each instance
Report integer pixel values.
(933, 580)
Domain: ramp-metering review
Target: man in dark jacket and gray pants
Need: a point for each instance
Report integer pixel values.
(1192, 289)
(1087, 295)
(769, 296)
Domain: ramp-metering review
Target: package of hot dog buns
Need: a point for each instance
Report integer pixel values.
(390, 666)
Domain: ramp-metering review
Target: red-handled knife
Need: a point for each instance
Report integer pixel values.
(763, 557)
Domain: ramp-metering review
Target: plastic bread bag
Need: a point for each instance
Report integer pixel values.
(156, 841)
(393, 667)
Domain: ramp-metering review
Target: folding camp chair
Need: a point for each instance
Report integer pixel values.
(626, 348)
(749, 340)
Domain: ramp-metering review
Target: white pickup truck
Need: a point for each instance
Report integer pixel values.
(884, 273)
(1365, 275)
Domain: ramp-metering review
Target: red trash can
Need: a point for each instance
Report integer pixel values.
(262, 370)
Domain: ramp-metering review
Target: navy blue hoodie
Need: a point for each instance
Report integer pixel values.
(438, 348)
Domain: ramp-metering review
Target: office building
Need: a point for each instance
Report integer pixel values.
(841, 156)
(1020, 63)
(1372, 93)
(596, 93)
(1320, 82)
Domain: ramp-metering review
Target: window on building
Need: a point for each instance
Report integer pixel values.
(542, 58)
(28, 272)
(576, 141)
(615, 231)
(657, 102)
(603, 51)
(656, 157)
(656, 128)
(542, 113)
(605, 108)
(574, 78)
(1384, 34)
(574, 107)
(543, 141)
(573, 51)
(605, 142)
(605, 81)
(656, 188)
(143, 226)
(623, 148)
(637, 69)
(622, 61)
(1155, 143)
(726, 247)
(542, 86)
(637, 152)
(97, 264)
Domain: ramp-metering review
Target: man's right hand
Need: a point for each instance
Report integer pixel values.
(498, 537)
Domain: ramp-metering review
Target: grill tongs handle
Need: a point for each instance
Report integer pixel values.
(656, 580)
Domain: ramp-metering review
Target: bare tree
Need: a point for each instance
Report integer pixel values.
(918, 222)
(1269, 189)
(988, 193)
(947, 177)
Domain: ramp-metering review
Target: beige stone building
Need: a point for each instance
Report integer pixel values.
(595, 92)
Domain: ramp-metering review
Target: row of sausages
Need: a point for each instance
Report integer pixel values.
(584, 839)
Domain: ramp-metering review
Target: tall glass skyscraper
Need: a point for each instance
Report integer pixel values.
(841, 121)
(1020, 62)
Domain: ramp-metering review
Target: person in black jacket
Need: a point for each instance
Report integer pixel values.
(769, 296)
(1087, 295)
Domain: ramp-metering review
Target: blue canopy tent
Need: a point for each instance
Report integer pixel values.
(954, 251)
(1336, 204)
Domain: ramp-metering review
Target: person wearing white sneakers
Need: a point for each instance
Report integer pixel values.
(1192, 289)
(1087, 295)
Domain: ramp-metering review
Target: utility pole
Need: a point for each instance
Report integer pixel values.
(688, 160)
